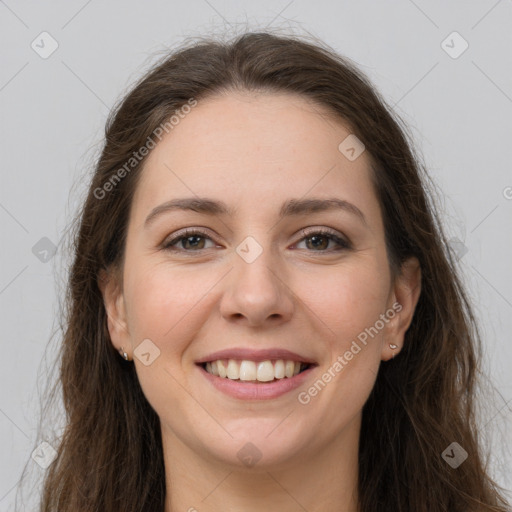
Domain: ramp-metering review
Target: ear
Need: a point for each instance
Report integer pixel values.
(113, 299)
(406, 292)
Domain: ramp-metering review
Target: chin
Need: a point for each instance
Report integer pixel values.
(256, 448)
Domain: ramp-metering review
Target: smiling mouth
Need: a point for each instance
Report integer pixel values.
(255, 372)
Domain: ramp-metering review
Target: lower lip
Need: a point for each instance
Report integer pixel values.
(257, 391)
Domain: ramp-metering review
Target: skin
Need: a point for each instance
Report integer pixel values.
(254, 151)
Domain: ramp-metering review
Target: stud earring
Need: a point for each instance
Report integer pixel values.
(124, 354)
(392, 346)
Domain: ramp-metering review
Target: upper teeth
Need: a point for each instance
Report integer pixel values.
(263, 371)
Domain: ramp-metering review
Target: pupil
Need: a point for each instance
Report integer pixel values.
(191, 238)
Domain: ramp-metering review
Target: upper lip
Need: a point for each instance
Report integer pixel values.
(255, 355)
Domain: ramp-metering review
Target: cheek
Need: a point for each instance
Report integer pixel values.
(166, 304)
(170, 303)
(350, 303)
(347, 300)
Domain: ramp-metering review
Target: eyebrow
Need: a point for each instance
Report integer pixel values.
(291, 207)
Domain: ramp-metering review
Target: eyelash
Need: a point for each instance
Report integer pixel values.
(344, 244)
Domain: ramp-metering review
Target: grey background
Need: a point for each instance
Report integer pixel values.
(53, 113)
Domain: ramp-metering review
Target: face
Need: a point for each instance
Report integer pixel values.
(312, 286)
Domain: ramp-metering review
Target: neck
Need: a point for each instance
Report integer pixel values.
(325, 481)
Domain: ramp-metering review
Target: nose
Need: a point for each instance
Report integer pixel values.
(256, 293)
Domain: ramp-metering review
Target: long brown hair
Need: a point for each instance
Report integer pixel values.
(110, 458)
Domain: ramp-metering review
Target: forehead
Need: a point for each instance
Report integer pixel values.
(251, 150)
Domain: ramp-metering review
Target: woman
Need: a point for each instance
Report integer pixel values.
(263, 313)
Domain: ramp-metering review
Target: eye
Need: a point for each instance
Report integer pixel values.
(191, 237)
(321, 237)
(193, 240)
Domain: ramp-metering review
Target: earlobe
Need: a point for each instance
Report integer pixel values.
(407, 290)
(115, 308)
